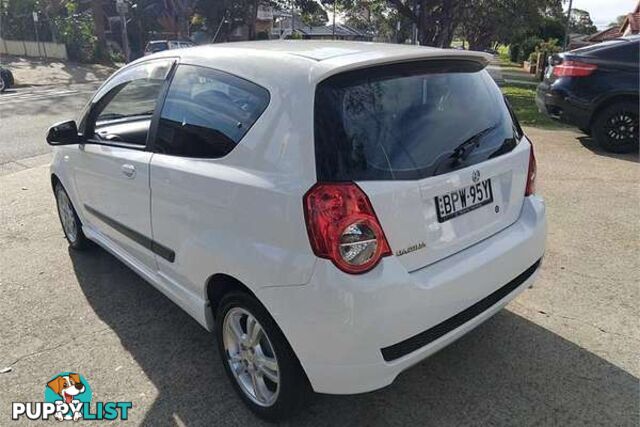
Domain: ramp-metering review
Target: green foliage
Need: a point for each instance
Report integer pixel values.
(76, 31)
(581, 23)
(552, 27)
(522, 51)
(16, 21)
(312, 13)
(375, 17)
(545, 48)
(550, 46)
(503, 53)
(514, 52)
(508, 22)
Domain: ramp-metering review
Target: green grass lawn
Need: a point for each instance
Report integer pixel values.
(522, 99)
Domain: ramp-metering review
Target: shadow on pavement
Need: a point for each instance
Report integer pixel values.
(590, 143)
(509, 371)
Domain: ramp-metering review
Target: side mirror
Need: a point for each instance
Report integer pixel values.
(63, 133)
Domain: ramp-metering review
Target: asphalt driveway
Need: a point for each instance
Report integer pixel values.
(564, 353)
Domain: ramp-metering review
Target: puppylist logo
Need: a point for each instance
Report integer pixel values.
(67, 396)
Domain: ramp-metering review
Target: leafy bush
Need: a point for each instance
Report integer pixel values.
(76, 31)
(533, 57)
(549, 47)
(528, 46)
(545, 48)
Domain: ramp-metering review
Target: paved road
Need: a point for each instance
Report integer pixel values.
(564, 353)
(26, 114)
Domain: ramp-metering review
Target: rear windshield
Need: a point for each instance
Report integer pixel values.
(409, 121)
(157, 46)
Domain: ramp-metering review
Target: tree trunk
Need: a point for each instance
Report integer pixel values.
(98, 28)
(251, 17)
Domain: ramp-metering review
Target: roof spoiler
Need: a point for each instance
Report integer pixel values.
(481, 58)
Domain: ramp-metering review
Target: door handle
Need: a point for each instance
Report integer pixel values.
(128, 170)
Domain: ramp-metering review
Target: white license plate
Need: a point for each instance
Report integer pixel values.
(463, 200)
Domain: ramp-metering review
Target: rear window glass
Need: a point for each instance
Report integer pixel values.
(409, 121)
(157, 46)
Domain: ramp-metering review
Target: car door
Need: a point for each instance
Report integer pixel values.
(205, 115)
(111, 170)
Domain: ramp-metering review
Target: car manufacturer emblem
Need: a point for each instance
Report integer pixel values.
(475, 175)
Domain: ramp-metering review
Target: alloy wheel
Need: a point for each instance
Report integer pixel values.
(622, 127)
(251, 357)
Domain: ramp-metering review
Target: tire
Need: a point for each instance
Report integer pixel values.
(275, 400)
(71, 225)
(615, 128)
(3, 83)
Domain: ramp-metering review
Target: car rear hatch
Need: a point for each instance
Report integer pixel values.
(433, 145)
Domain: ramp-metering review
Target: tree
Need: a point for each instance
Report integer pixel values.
(436, 20)
(312, 12)
(580, 22)
(98, 27)
(371, 16)
(504, 21)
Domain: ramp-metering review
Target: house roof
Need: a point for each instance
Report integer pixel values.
(632, 20)
(608, 34)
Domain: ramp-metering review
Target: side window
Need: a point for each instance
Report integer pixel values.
(207, 112)
(124, 110)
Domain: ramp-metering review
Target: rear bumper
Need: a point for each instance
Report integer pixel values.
(354, 334)
(560, 106)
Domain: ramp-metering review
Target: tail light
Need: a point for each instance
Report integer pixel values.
(343, 227)
(531, 175)
(573, 69)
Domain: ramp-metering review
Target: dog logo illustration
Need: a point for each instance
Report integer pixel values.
(70, 388)
(67, 397)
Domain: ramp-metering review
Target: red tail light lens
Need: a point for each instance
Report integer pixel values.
(573, 69)
(531, 175)
(343, 227)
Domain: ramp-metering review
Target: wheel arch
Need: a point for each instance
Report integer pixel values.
(55, 180)
(220, 284)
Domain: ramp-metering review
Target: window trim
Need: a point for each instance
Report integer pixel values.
(155, 120)
(89, 118)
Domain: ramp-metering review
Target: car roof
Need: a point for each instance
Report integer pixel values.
(266, 62)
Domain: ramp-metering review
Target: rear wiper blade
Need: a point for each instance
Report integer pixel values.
(463, 150)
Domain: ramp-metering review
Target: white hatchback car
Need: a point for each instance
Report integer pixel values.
(336, 212)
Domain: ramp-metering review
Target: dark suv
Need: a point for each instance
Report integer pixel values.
(596, 89)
